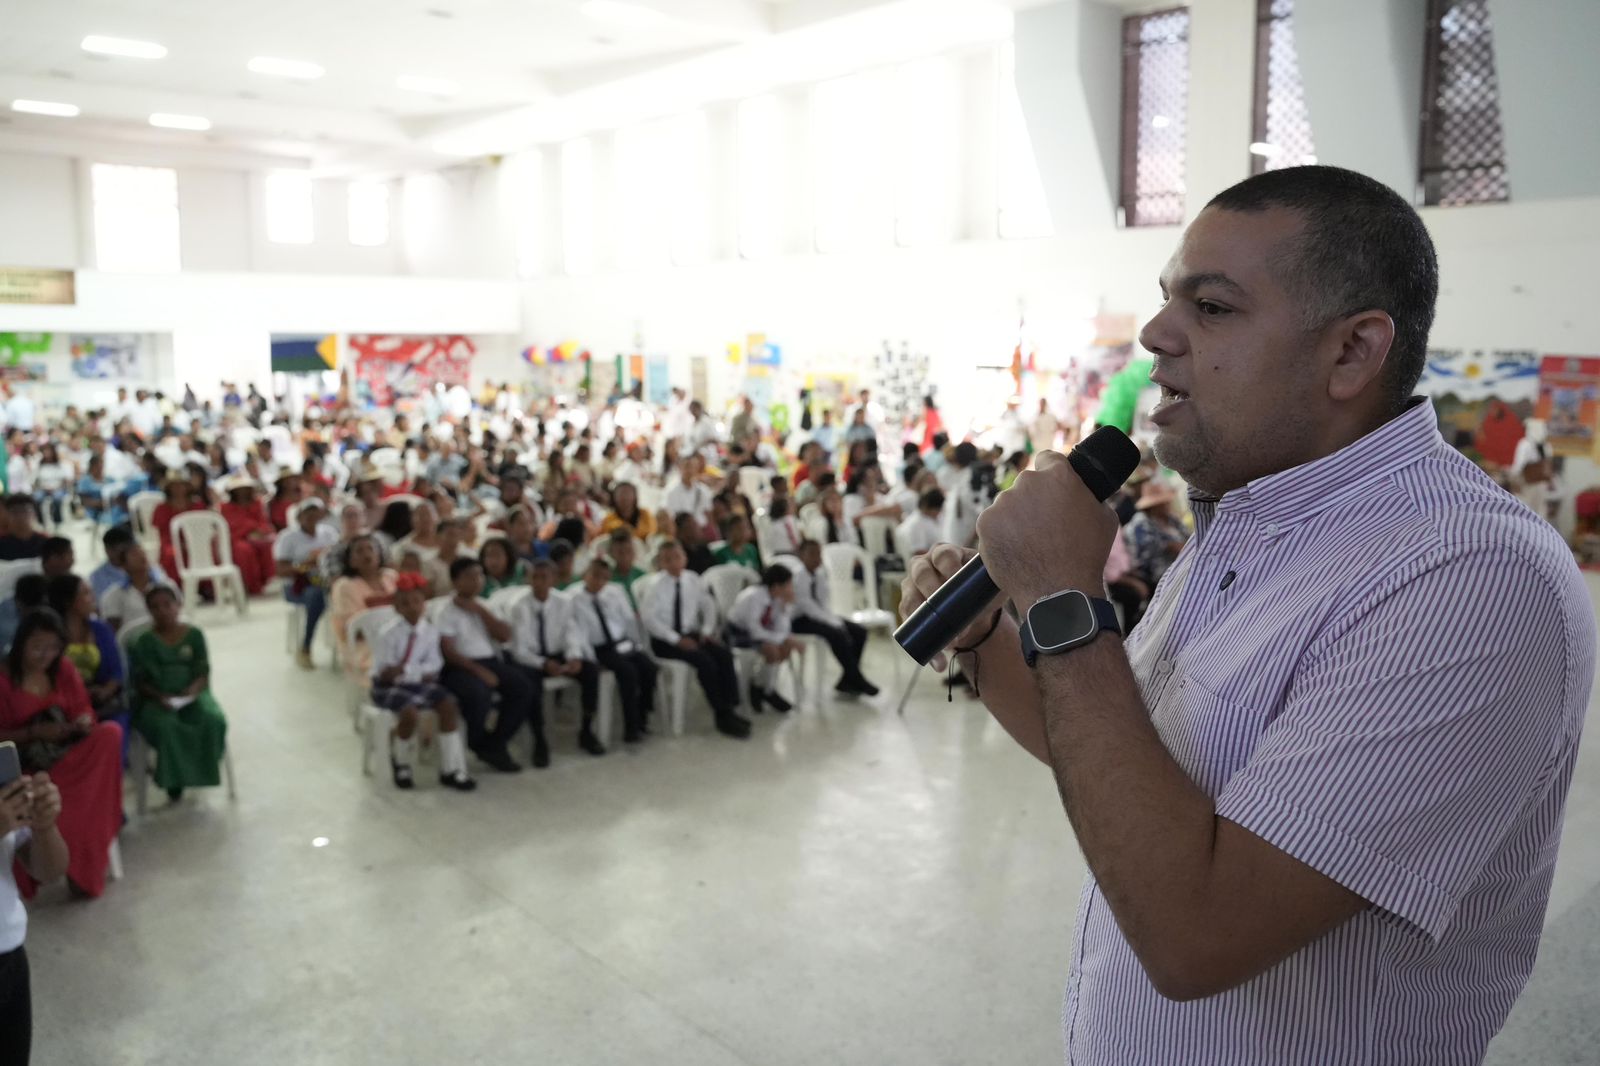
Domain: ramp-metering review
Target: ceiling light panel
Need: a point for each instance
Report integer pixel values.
(45, 107)
(122, 46)
(168, 121)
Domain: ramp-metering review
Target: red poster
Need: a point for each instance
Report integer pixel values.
(1569, 399)
(393, 367)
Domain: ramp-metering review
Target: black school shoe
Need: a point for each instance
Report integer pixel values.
(459, 782)
(757, 696)
(591, 743)
(499, 759)
(402, 775)
(541, 753)
(777, 702)
(733, 725)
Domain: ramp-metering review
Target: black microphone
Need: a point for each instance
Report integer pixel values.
(1103, 460)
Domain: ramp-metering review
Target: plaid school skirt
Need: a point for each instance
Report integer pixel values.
(402, 694)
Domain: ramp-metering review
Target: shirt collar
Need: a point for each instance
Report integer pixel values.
(1285, 499)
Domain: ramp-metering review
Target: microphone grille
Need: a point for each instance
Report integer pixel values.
(1111, 458)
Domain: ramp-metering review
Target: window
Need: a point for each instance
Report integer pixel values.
(577, 206)
(1281, 130)
(523, 204)
(367, 213)
(762, 164)
(688, 187)
(289, 218)
(1155, 102)
(1463, 147)
(1023, 209)
(135, 218)
(926, 116)
(850, 165)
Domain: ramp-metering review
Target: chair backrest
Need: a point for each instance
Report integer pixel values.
(877, 533)
(366, 625)
(753, 483)
(384, 458)
(127, 635)
(841, 560)
(791, 562)
(12, 570)
(726, 581)
(198, 538)
(141, 508)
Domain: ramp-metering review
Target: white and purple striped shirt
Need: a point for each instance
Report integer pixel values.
(1378, 662)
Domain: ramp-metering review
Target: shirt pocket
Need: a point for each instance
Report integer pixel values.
(1210, 736)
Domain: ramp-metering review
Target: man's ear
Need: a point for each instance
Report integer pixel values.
(1363, 341)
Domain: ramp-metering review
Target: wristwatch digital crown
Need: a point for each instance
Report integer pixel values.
(1066, 620)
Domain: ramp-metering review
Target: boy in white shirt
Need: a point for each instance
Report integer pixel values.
(682, 621)
(475, 672)
(923, 529)
(607, 625)
(406, 662)
(546, 640)
(29, 806)
(760, 620)
(814, 617)
(298, 552)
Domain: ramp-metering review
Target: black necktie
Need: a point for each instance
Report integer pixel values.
(677, 605)
(543, 648)
(599, 611)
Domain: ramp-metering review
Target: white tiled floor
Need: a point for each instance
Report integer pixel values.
(847, 887)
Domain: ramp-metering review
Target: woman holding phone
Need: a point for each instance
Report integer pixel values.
(29, 807)
(45, 711)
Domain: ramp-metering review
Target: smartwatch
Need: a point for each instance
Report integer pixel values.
(1066, 620)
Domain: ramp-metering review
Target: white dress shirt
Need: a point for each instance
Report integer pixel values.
(784, 535)
(697, 613)
(467, 633)
(558, 636)
(811, 597)
(762, 617)
(425, 658)
(620, 627)
(693, 499)
(917, 534)
(294, 545)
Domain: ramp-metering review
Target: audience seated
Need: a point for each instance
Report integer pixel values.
(626, 513)
(681, 620)
(624, 571)
(691, 541)
(174, 709)
(180, 499)
(365, 583)
(760, 620)
(563, 556)
(477, 673)
(423, 537)
(737, 546)
(297, 553)
(783, 529)
(406, 664)
(548, 644)
(922, 530)
(45, 711)
(21, 540)
(251, 530)
(124, 602)
(91, 647)
(502, 567)
(56, 559)
(814, 616)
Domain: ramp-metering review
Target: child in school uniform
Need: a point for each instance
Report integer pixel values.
(406, 662)
(760, 620)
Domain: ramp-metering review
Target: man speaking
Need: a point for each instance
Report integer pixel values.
(1320, 787)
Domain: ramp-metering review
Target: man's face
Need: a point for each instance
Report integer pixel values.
(673, 560)
(308, 518)
(541, 578)
(1244, 384)
(622, 553)
(811, 556)
(409, 603)
(469, 582)
(595, 578)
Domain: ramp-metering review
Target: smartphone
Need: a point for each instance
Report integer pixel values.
(10, 764)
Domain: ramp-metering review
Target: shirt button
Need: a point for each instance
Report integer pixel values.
(1272, 529)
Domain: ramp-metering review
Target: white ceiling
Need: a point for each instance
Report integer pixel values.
(519, 64)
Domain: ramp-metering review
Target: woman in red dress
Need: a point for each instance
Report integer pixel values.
(252, 532)
(288, 492)
(45, 711)
(180, 499)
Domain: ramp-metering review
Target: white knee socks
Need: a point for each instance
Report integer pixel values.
(452, 753)
(403, 752)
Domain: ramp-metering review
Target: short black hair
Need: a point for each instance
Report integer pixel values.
(1362, 248)
(18, 501)
(932, 500)
(30, 591)
(32, 622)
(462, 565)
(561, 550)
(775, 575)
(118, 536)
(54, 548)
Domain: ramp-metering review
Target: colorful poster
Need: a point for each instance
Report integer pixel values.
(389, 368)
(1477, 374)
(99, 356)
(768, 355)
(1569, 402)
(657, 381)
(293, 354)
(13, 346)
(24, 371)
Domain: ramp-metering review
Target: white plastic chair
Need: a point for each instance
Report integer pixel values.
(502, 603)
(369, 717)
(204, 550)
(141, 510)
(675, 675)
(857, 602)
(814, 656)
(139, 752)
(753, 484)
(726, 581)
(11, 571)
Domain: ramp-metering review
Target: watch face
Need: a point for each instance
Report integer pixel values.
(1059, 620)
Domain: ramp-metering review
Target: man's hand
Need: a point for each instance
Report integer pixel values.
(552, 668)
(388, 675)
(572, 668)
(1047, 533)
(930, 570)
(488, 676)
(46, 801)
(688, 643)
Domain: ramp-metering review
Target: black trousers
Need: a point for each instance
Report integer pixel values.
(845, 641)
(16, 1009)
(588, 687)
(521, 700)
(713, 665)
(636, 684)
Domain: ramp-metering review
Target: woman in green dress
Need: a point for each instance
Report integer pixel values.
(175, 711)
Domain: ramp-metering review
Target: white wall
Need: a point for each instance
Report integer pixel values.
(38, 211)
